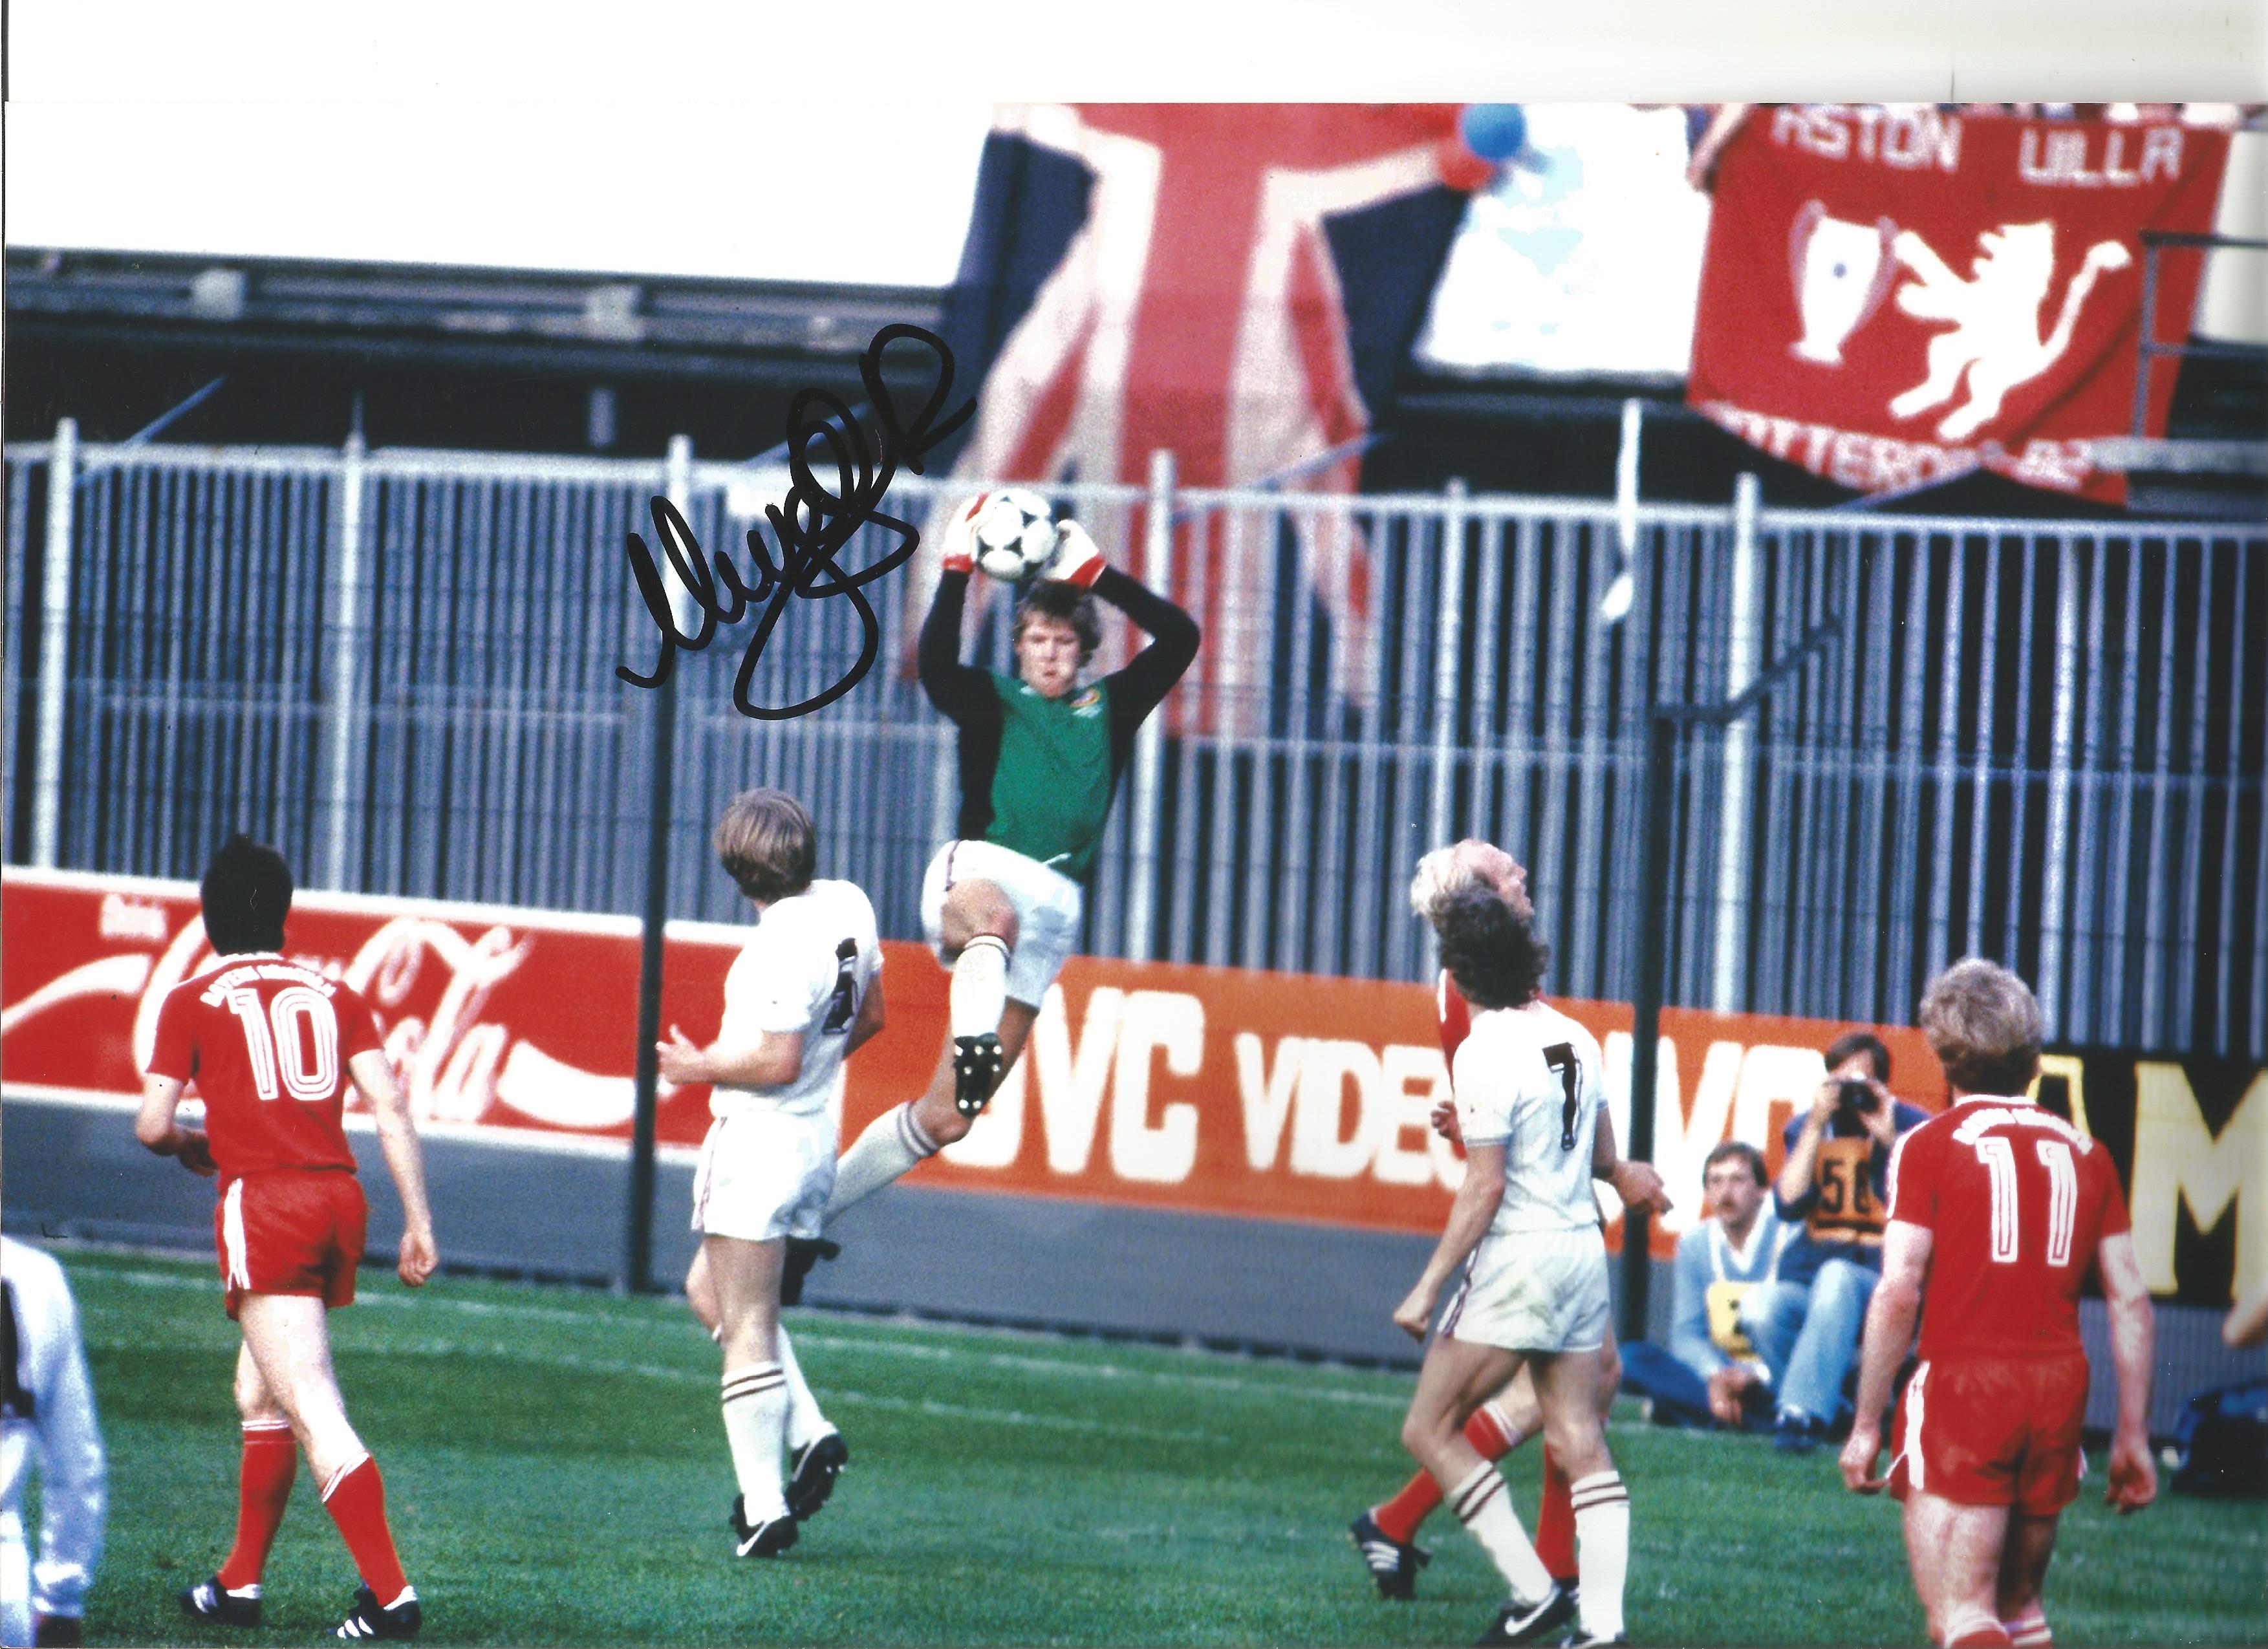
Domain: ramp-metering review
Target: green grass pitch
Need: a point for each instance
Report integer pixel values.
(557, 1474)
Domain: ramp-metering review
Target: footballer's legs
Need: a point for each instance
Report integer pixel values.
(268, 1462)
(1955, 1554)
(2024, 1556)
(816, 1452)
(903, 1135)
(1386, 1534)
(1454, 1381)
(1555, 1512)
(1574, 1389)
(976, 932)
(289, 1339)
(754, 1395)
(815, 1445)
(701, 1294)
(1496, 1427)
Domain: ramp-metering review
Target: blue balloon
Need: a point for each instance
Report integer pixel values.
(1494, 131)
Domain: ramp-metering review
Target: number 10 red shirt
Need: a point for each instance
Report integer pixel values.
(267, 1042)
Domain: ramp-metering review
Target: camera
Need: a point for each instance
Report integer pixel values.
(1857, 1097)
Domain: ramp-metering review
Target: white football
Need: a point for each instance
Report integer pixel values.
(1015, 534)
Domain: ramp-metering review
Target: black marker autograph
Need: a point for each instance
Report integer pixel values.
(811, 529)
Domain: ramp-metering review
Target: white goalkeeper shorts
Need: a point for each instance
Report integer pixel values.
(764, 1175)
(1534, 1291)
(1046, 902)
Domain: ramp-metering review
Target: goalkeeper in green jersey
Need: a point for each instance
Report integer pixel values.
(1041, 756)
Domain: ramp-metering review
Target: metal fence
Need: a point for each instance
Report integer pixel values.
(2040, 741)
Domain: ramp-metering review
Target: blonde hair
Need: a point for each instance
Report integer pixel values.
(1442, 876)
(767, 844)
(1985, 1026)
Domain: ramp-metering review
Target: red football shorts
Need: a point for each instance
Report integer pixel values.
(290, 1233)
(1984, 1432)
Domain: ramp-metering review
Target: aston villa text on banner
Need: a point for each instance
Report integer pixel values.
(1892, 297)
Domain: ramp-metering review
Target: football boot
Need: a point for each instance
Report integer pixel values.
(812, 1472)
(210, 1600)
(768, 1538)
(1518, 1623)
(802, 1254)
(369, 1619)
(977, 1069)
(1393, 1563)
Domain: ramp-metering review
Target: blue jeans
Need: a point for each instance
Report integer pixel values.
(1809, 1337)
(1680, 1397)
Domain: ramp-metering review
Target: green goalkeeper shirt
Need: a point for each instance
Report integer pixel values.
(1037, 774)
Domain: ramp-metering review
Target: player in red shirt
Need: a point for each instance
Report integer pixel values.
(1997, 1207)
(271, 1046)
(1386, 1534)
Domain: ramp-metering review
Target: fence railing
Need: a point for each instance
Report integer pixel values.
(2037, 741)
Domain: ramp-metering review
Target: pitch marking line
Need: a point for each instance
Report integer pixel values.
(1018, 1362)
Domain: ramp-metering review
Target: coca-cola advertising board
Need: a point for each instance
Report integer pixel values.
(1894, 296)
(1197, 1089)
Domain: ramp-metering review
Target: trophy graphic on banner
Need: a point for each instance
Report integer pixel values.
(1842, 271)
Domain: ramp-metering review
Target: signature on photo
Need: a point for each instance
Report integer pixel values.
(811, 525)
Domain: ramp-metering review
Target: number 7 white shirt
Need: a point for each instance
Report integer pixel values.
(1531, 1079)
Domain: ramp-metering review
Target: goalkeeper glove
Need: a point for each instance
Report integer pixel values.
(961, 535)
(1076, 561)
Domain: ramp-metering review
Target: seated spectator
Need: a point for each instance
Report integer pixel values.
(1712, 1370)
(1807, 1324)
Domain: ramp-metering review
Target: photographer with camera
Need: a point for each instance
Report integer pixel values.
(1834, 1179)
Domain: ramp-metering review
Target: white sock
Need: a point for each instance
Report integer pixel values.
(979, 992)
(891, 1146)
(2030, 1629)
(1601, 1549)
(1514, 1433)
(1484, 1507)
(1971, 1620)
(754, 1402)
(805, 1422)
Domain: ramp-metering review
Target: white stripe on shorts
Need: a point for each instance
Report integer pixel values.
(1909, 1445)
(231, 1237)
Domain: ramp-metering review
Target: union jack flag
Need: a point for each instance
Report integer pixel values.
(1238, 286)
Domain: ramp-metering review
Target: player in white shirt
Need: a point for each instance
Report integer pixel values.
(47, 1413)
(1531, 1105)
(805, 993)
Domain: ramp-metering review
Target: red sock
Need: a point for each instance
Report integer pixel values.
(1487, 1434)
(357, 1503)
(1399, 1518)
(1555, 1522)
(263, 1487)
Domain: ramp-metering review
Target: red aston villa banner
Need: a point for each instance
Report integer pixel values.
(1892, 296)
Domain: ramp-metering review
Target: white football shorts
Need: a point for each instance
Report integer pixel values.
(1046, 902)
(764, 1174)
(1534, 1291)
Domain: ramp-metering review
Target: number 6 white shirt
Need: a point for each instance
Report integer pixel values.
(1531, 1079)
(805, 970)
